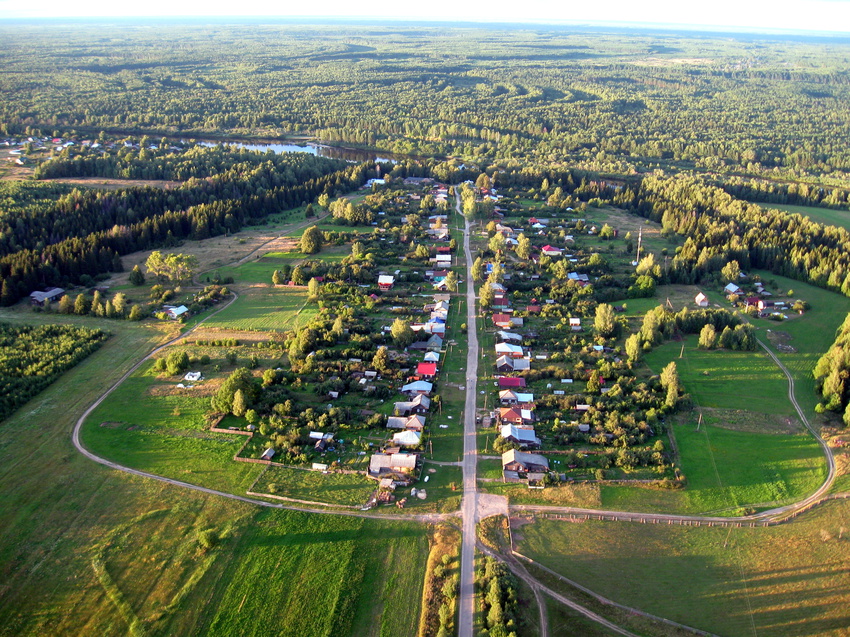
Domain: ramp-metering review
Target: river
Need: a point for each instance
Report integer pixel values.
(321, 150)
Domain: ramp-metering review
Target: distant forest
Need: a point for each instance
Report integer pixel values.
(603, 101)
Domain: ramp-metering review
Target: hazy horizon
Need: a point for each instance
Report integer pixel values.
(804, 17)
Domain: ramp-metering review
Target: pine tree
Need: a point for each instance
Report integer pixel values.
(7, 294)
(136, 276)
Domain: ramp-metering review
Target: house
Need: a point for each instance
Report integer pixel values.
(418, 405)
(506, 382)
(502, 320)
(518, 464)
(413, 423)
(407, 438)
(701, 300)
(399, 466)
(498, 288)
(175, 312)
(523, 436)
(500, 300)
(506, 349)
(418, 387)
(268, 454)
(505, 364)
(386, 282)
(48, 296)
(509, 336)
(575, 324)
(511, 415)
(432, 357)
(435, 342)
(731, 288)
(532, 309)
(511, 397)
(428, 370)
(551, 251)
(193, 376)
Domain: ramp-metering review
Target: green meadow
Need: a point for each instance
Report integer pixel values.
(782, 580)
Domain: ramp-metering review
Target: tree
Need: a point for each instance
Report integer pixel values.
(313, 289)
(7, 294)
(381, 359)
(81, 305)
(66, 304)
(486, 295)
(633, 348)
(707, 336)
(523, 247)
(278, 278)
(451, 282)
(135, 313)
(240, 406)
(401, 333)
(171, 267)
(176, 362)
(605, 322)
(670, 382)
(731, 272)
(478, 270)
(497, 244)
(483, 182)
(119, 303)
(298, 277)
(137, 277)
(311, 240)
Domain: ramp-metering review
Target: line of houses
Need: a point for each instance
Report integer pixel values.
(396, 465)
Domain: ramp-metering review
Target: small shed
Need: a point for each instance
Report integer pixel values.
(701, 300)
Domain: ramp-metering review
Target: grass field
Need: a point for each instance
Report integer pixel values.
(85, 550)
(334, 488)
(266, 308)
(783, 580)
(725, 379)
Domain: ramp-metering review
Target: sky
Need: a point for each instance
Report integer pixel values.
(757, 15)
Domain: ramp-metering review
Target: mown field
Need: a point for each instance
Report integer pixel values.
(85, 550)
(266, 308)
(783, 580)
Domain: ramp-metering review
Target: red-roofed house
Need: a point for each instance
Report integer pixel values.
(506, 382)
(428, 370)
(502, 320)
(551, 251)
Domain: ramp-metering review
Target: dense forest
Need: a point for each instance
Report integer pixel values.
(50, 238)
(606, 100)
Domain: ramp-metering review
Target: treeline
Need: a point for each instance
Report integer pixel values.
(797, 194)
(86, 232)
(832, 373)
(32, 357)
(720, 228)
